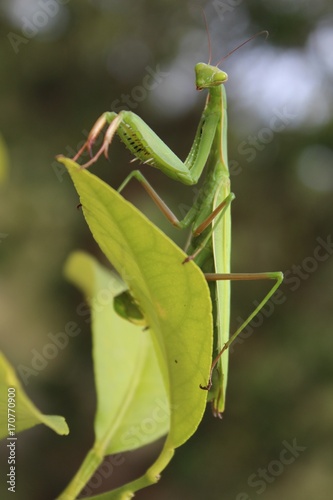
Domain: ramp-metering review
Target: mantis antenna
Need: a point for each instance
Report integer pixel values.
(208, 37)
(264, 32)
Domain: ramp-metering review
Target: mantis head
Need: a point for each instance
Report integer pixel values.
(207, 76)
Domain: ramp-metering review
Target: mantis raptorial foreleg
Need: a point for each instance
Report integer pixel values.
(147, 147)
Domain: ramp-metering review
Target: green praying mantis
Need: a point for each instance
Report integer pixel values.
(209, 245)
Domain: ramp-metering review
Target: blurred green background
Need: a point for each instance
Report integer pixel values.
(65, 62)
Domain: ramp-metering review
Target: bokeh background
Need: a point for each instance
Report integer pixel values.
(65, 62)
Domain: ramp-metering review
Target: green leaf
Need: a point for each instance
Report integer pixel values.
(130, 389)
(175, 301)
(129, 385)
(26, 413)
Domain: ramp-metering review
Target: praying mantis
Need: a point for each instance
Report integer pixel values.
(209, 245)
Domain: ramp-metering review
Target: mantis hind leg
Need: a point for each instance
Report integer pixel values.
(276, 276)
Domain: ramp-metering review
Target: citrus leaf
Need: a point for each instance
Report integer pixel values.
(129, 385)
(26, 413)
(174, 298)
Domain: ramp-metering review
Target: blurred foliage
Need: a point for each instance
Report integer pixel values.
(4, 160)
(80, 61)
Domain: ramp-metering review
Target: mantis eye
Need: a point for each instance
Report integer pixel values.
(219, 78)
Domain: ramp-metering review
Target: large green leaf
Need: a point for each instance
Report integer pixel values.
(173, 297)
(25, 412)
